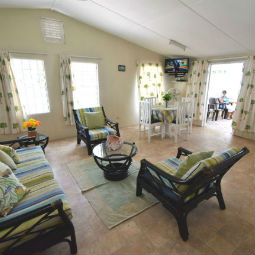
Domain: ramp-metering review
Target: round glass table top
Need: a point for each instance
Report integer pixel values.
(103, 152)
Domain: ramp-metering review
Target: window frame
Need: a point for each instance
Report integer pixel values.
(89, 60)
(35, 56)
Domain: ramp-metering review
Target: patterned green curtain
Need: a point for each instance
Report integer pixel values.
(244, 116)
(196, 86)
(150, 81)
(66, 90)
(11, 112)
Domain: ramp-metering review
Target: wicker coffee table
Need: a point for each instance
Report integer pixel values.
(115, 164)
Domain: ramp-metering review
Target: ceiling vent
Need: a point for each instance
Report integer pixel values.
(52, 30)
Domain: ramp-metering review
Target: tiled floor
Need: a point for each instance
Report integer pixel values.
(221, 124)
(155, 231)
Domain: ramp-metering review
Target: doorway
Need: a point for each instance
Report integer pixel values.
(223, 77)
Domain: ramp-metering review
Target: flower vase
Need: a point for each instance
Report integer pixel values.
(166, 103)
(32, 132)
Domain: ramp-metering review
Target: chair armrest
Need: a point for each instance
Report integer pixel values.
(81, 126)
(113, 124)
(110, 121)
(182, 151)
(22, 142)
(49, 208)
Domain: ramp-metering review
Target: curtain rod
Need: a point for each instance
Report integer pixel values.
(86, 57)
(229, 59)
(26, 52)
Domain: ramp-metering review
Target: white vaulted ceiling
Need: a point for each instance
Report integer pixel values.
(206, 27)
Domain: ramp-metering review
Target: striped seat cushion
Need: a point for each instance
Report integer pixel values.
(81, 114)
(33, 167)
(101, 133)
(169, 166)
(40, 194)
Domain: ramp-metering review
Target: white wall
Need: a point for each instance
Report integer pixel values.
(20, 31)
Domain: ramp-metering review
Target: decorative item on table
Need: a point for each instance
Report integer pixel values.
(31, 125)
(167, 97)
(114, 142)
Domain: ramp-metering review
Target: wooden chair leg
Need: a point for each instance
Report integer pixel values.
(162, 131)
(216, 116)
(78, 139)
(175, 133)
(89, 148)
(138, 189)
(221, 200)
(183, 228)
(73, 244)
(149, 134)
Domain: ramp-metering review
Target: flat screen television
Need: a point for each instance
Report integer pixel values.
(177, 65)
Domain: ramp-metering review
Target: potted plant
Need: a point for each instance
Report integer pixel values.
(167, 97)
(31, 125)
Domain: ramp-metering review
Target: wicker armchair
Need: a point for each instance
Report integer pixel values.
(203, 185)
(94, 136)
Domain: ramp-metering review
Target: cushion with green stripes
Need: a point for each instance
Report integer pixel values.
(169, 166)
(190, 161)
(209, 162)
(33, 167)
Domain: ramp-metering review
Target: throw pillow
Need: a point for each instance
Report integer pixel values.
(4, 170)
(190, 161)
(94, 120)
(208, 162)
(11, 192)
(6, 159)
(11, 152)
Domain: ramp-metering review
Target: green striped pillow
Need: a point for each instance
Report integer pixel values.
(209, 162)
(190, 161)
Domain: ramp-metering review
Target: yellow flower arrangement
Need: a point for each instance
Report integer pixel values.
(31, 124)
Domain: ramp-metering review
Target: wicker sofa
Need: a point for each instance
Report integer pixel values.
(42, 218)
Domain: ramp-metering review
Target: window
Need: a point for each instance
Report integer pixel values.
(85, 84)
(31, 84)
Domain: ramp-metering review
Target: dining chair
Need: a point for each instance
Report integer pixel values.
(172, 128)
(152, 100)
(149, 124)
(188, 112)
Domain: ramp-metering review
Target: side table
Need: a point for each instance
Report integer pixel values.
(40, 139)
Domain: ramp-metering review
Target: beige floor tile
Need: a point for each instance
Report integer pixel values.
(155, 231)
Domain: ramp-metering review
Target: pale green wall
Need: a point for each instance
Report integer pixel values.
(20, 31)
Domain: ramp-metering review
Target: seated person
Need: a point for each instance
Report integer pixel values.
(228, 107)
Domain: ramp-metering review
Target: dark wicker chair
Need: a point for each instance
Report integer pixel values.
(214, 108)
(88, 136)
(165, 187)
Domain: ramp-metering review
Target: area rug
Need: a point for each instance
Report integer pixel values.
(113, 201)
(88, 175)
